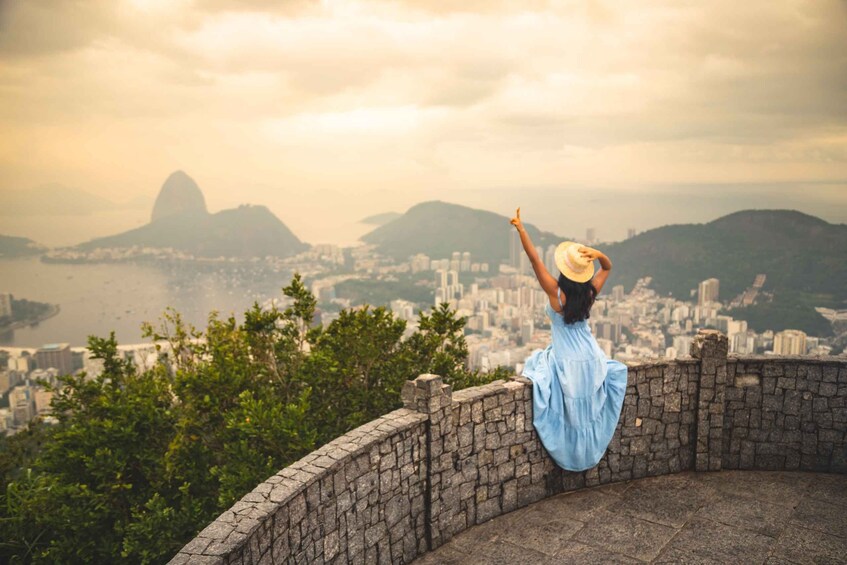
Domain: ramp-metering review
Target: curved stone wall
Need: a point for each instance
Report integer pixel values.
(405, 483)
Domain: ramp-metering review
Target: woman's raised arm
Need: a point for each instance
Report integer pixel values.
(600, 277)
(547, 282)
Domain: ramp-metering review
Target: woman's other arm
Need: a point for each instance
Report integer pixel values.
(600, 277)
(547, 282)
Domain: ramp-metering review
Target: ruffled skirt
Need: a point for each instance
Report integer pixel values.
(576, 405)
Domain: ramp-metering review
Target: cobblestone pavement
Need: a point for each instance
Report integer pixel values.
(722, 517)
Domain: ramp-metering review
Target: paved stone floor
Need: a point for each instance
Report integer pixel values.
(724, 517)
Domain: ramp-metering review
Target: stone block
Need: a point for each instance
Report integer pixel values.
(772, 370)
(828, 389)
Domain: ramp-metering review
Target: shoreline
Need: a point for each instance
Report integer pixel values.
(54, 310)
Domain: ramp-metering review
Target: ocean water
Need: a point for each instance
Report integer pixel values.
(99, 298)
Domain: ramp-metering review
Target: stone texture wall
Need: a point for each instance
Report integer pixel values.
(357, 499)
(498, 463)
(407, 482)
(786, 413)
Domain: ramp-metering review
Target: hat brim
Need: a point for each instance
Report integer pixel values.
(569, 273)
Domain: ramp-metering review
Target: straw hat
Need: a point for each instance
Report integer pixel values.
(572, 264)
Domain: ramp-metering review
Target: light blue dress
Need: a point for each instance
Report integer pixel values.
(577, 394)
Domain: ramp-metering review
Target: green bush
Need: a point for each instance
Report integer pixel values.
(141, 460)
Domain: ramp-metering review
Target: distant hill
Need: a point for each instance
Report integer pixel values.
(18, 247)
(182, 223)
(380, 219)
(438, 228)
(797, 252)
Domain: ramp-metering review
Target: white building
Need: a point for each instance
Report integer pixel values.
(419, 262)
(789, 342)
(403, 309)
(708, 291)
(465, 265)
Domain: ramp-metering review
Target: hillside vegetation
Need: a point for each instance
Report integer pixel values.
(438, 229)
(11, 247)
(798, 253)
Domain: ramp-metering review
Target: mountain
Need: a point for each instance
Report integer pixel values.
(181, 222)
(53, 200)
(380, 219)
(438, 229)
(179, 195)
(798, 253)
(18, 247)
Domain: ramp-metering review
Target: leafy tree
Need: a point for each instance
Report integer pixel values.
(439, 347)
(356, 369)
(141, 460)
(100, 463)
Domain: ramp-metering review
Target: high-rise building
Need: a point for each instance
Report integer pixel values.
(682, 344)
(526, 331)
(524, 266)
(456, 261)
(466, 261)
(550, 261)
(630, 233)
(419, 262)
(56, 355)
(5, 305)
(42, 398)
(708, 291)
(440, 278)
(403, 309)
(515, 249)
(789, 342)
(617, 293)
(440, 295)
(608, 330)
(590, 235)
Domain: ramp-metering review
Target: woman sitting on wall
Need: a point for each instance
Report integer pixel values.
(577, 391)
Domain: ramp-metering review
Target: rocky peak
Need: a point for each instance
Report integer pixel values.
(179, 195)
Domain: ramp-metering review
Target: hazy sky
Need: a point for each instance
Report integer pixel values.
(351, 106)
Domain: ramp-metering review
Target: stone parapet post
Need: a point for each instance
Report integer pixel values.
(711, 348)
(429, 395)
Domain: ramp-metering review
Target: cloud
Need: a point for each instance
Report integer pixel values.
(45, 27)
(417, 93)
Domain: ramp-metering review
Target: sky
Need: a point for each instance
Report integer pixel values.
(326, 110)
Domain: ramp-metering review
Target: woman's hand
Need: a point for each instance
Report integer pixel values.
(516, 221)
(589, 253)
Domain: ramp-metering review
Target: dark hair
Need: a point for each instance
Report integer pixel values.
(578, 299)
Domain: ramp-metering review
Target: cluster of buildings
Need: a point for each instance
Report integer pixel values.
(25, 379)
(506, 319)
(504, 307)
(27, 376)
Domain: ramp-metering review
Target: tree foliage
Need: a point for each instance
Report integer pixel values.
(140, 460)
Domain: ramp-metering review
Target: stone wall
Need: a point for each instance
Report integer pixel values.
(785, 413)
(407, 482)
(357, 499)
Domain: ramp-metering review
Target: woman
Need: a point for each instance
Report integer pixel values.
(577, 392)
